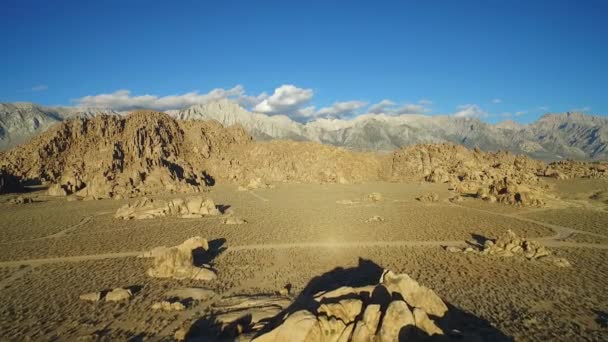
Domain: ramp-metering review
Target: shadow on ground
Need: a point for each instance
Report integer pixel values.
(459, 324)
(202, 257)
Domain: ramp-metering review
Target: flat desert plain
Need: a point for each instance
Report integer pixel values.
(299, 237)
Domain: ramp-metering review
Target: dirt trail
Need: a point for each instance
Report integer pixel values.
(257, 196)
(61, 233)
(561, 232)
(275, 246)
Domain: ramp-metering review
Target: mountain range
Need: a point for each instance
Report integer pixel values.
(552, 137)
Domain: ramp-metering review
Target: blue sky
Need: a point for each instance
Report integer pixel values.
(492, 59)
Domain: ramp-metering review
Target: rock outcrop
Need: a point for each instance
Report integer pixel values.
(577, 169)
(114, 295)
(21, 200)
(143, 153)
(494, 176)
(429, 197)
(398, 308)
(145, 208)
(179, 262)
(509, 244)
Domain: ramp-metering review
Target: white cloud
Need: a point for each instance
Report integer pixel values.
(340, 109)
(496, 101)
(470, 111)
(543, 108)
(520, 113)
(286, 99)
(381, 107)
(583, 109)
(40, 87)
(123, 100)
(391, 108)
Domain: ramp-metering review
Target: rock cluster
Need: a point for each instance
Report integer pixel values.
(576, 169)
(430, 197)
(231, 220)
(396, 309)
(179, 262)
(181, 298)
(497, 177)
(509, 244)
(254, 184)
(375, 218)
(22, 200)
(374, 197)
(115, 295)
(508, 192)
(239, 314)
(166, 305)
(145, 208)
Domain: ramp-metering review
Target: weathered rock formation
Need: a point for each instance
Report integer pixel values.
(145, 208)
(429, 197)
(497, 176)
(179, 262)
(233, 220)
(509, 244)
(21, 200)
(576, 169)
(396, 309)
(145, 152)
(114, 295)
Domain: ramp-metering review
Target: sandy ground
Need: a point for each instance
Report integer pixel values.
(52, 251)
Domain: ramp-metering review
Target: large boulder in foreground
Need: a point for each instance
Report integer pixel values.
(396, 309)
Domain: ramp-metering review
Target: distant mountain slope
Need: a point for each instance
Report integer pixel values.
(552, 137)
(19, 122)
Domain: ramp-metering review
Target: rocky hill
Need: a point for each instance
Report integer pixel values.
(19, 122)
(148, 152)
(552, 137)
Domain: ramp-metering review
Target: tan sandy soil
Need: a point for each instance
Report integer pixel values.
(585, 238)
(294, 233)
(588, 220)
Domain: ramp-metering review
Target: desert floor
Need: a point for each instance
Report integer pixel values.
(51, 251)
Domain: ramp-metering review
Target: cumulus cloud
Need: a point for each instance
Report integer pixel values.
(496, 101)
(123, 100)
(40, 87)
(470, 111)
(582, 109)
(391, 108)
(286, 99)
(341, 109)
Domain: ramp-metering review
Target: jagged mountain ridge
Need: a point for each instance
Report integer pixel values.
(552, 137)
(19, 122)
